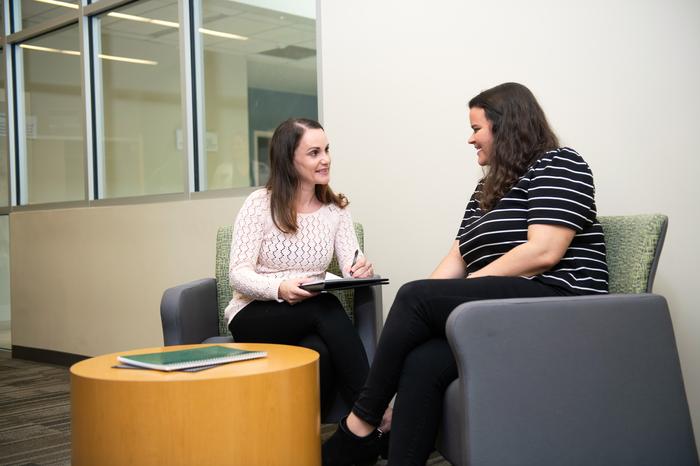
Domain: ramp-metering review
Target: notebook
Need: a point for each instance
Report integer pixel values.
(195, 357)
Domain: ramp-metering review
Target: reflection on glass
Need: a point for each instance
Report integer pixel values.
(4, 168)
(37, 11)
(54, 117)
(259, 69)
(143, 152)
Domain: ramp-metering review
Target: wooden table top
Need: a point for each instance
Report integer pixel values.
(279, 358)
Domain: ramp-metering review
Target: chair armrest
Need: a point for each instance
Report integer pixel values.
(570, 380)
(189, 312)
(368, 317)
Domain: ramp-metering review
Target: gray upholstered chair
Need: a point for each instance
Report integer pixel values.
(194, 312)
(591, 380)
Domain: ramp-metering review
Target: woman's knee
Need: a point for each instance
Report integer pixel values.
(415, 291)
(409, 297)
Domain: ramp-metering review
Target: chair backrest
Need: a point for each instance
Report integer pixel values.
(224, 292)
(633, 244)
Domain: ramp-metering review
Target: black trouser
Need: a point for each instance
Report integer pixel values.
(414, 361)
(319, 323)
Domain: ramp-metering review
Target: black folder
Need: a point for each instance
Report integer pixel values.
(343, 283)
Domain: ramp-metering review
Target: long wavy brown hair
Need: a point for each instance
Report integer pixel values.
(520, 135)
(284, 179)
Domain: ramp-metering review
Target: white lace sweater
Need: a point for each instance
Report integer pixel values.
(262, 256)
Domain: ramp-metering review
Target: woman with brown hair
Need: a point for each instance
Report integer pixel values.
(529, 230)
(285, 235)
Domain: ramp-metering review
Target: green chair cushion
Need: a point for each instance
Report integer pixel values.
(631, 242)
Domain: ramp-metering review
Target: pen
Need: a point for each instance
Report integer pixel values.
(354, 260)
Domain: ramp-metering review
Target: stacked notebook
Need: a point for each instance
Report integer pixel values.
(189, 359)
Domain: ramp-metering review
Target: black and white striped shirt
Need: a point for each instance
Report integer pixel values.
(556, 190)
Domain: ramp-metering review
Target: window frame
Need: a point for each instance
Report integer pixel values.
(192, 99)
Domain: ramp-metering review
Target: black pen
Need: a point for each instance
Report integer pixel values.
(354, 260)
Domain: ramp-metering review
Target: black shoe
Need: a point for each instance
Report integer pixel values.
(344, 448)
(384, 445)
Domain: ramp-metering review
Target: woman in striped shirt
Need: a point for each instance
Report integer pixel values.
(529, 230)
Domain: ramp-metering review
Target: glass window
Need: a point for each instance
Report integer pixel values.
(4, 167)
(37, 11)
(53, 115)
(259, 69)
(139, 58)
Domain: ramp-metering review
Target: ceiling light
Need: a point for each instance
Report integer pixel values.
(171, 24)
(142, 19)
(160, 22)
(59, 3)
(227, 35)
(138, 61)
(49, 49)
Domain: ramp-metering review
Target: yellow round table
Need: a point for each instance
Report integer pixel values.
(256, 412)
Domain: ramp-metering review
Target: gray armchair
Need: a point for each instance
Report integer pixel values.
(194, 312)
(590, 380)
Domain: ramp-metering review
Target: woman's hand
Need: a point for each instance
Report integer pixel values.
(362, 268)
(290, 292)
(385, 425)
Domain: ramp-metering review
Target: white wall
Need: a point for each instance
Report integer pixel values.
(618, 81)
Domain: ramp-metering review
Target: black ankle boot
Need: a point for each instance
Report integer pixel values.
(384, 445)
(344, 448)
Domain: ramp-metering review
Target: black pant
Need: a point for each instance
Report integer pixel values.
(414, 361)
(319, 323)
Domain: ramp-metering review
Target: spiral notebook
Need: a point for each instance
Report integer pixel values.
(185, 359)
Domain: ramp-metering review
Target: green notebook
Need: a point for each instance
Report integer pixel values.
(195, 357)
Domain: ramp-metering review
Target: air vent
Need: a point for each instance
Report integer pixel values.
(292, 52)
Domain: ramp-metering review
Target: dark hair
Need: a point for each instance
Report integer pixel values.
(520, 134)
(284, 180)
